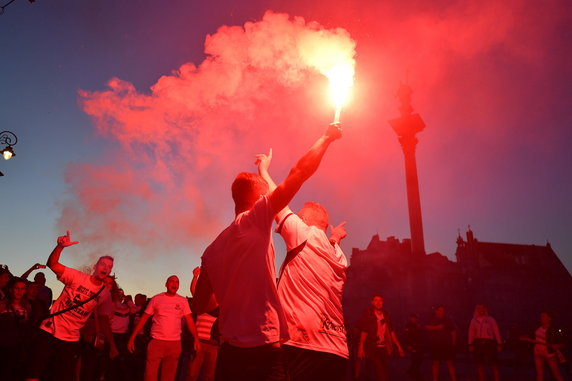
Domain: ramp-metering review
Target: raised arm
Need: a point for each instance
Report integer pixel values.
(196, 273)
(54, 258)
(263, 163)
(37, 266)
(304, 168)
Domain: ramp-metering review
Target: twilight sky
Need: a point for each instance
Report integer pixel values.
(131, 127)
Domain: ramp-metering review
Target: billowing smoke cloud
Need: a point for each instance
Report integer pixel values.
(167, 182)
(480, 71)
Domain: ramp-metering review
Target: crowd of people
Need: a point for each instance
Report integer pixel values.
(243, 322)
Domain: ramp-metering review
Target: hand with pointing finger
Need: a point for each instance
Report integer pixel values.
(263, 161)
(337, 233)
(65, 240)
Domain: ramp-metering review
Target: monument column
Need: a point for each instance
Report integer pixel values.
(406, 127)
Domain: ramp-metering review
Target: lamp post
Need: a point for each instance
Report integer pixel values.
(9, 139)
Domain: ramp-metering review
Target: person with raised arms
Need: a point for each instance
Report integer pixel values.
(59, 334)
(238, 272)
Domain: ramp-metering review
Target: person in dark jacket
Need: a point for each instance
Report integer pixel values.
(377, 340)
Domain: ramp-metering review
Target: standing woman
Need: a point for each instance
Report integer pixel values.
(15, 330)
(484, 341)
(547, 344)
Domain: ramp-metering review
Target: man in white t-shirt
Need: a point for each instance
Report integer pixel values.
(58, 337)
(168, 309)
(310, 289)
(238, 272)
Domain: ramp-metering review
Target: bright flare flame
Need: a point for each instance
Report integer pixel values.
(341, 81)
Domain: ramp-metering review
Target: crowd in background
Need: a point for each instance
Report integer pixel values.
(243, 323)
(24, 304)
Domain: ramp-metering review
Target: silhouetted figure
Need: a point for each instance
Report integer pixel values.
(442, 339)
(44, 292)
(377, 340)
(413, 341)
(547, 347)
(15, 330)
(5, 276)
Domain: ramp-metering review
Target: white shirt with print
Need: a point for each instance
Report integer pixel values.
(167, 311)
(310, 288)
(78, 287)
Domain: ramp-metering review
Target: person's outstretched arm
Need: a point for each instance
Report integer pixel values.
(138, 327)
(37, 266)
(263, 163)
(196, 273)
(54, 258)
(304, 168)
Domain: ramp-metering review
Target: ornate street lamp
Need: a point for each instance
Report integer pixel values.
(8, 139)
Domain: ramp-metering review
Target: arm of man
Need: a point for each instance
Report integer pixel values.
(337, 233)
(138, 327)
(196, 273)
(304, 168)
(105, 326)
(54, 258)
(193, 330)
(471, 335)
(204, 300)
(498, 338)
(361, 351)
(37, 266)
(263, 162)
(397, 344)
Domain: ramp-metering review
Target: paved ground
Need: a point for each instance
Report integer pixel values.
(509, 370)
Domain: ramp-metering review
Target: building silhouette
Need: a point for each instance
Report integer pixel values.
(515, 281)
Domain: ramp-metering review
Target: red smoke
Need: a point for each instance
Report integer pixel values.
(180, 144)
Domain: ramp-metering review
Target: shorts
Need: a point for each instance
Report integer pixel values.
(442, 352)
(485, 351)
(45, 350)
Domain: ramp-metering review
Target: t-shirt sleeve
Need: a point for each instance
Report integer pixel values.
(105, 305)
(261, 214)
(150, 309)
(186, 307)
(293, 230)
(69, 275)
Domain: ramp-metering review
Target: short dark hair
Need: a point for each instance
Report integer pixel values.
(106, 257)
(246, 188)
